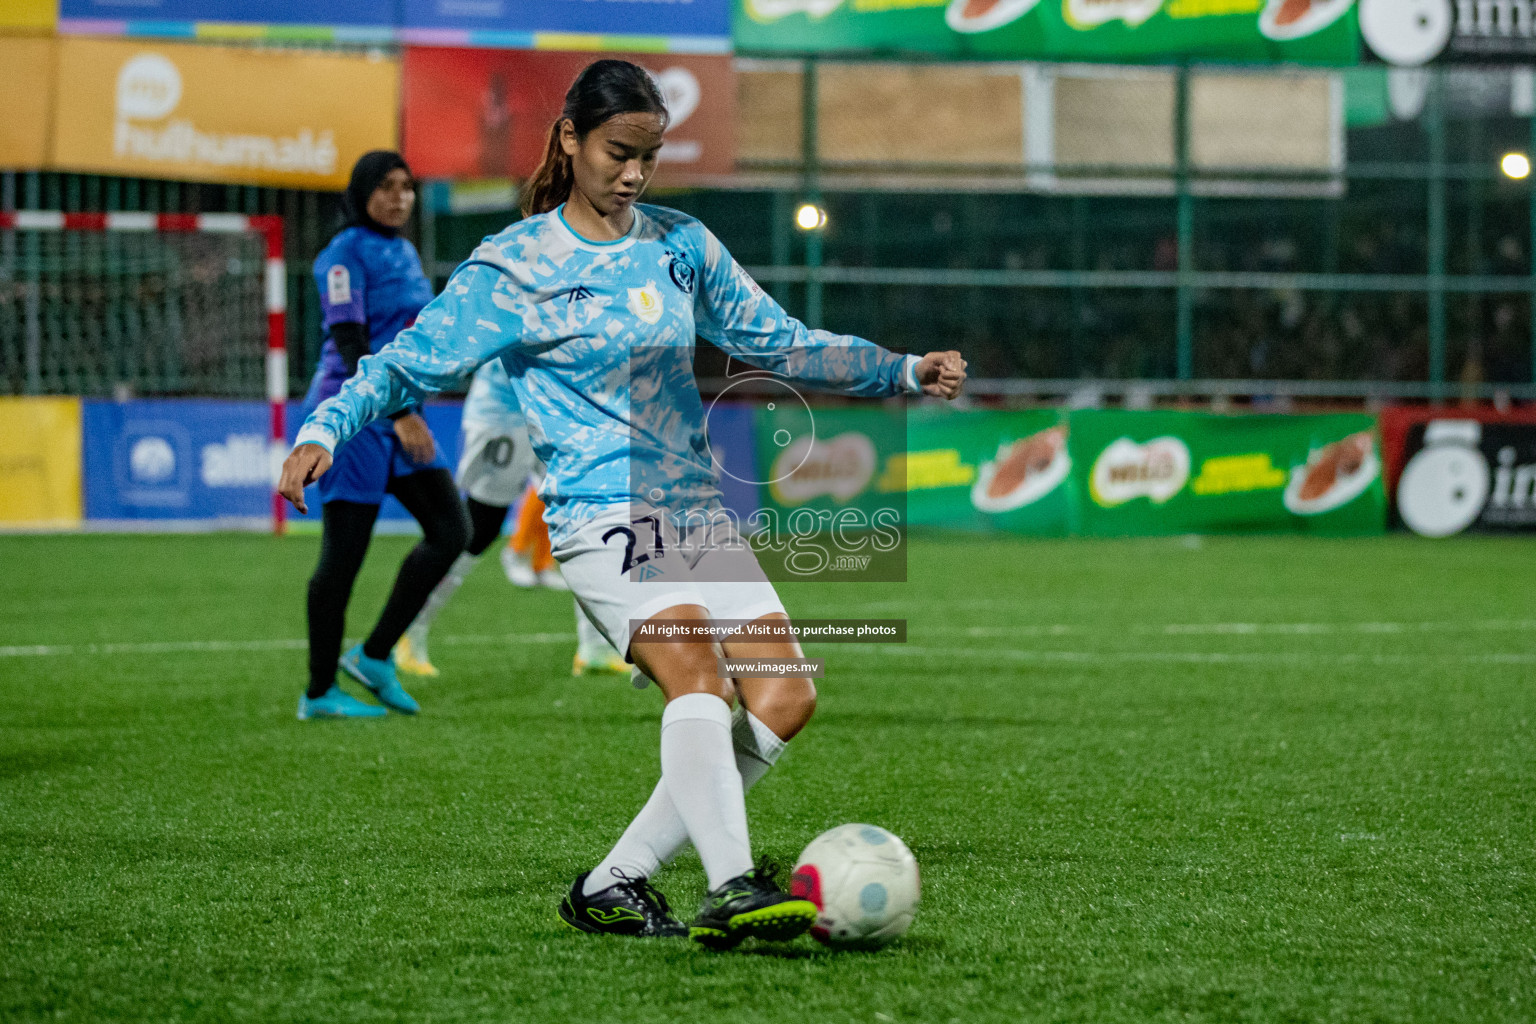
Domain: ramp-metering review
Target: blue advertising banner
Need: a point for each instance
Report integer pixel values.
(670, 26)
(176, 460)
(208, 463)
(319, 20)
(202, 462)
(729, 426)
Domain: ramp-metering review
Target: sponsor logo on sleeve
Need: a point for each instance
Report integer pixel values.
(338, 285)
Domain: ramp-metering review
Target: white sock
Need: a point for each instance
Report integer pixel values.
(591, 645)
(652, 839)
(657, 835)
(441, 594)
(757, 746)
(699, 769)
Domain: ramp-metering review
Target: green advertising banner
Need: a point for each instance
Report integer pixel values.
(1171, 472)
(832, 489)
(989, 470)
(1248, 31)
(1050, 473)
(933, 465)
(830, 458)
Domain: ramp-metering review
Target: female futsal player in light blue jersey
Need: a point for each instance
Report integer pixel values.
(593, 304)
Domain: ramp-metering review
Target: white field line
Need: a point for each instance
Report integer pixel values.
(1007, 632)
(1202, 657)
(221, 646)
(902, 650)
(1265, 628)
(1308, 628)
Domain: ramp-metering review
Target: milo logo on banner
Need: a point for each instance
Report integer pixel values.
(1168, 472)
(1126, 471)
(840, 468)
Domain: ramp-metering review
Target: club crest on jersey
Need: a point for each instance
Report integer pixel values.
(645, 302)
(681, 271)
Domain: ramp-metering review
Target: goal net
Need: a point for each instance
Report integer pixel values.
(142, 304)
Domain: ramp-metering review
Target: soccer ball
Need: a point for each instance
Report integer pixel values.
(864, 883)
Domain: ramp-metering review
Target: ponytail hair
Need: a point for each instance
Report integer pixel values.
(604, 89)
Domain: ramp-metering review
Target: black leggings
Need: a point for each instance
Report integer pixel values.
(486, 521)
(428, 495)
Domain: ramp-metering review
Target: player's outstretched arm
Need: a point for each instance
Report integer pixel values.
(457, 332)
(736, 315)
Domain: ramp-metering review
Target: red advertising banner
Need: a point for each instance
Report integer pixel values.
(1452, 469)
(1398, 420)
(486, 113)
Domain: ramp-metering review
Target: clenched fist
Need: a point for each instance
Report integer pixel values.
(941, 374)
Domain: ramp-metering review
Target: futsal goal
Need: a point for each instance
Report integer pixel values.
(132, 305)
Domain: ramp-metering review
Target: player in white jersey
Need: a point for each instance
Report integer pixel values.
(494, 467)
(594, 304)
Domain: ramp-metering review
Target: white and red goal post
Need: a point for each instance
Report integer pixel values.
(268, 227)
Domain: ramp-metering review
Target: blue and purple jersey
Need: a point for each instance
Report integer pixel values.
(365, 278)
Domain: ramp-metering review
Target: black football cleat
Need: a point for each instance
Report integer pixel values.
(632, 906)
(751, 905)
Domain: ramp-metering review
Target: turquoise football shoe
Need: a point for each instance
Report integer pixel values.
(336, 703)
(378, 674)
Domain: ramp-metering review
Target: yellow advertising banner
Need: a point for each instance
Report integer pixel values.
(29, 16)
(218, 113)
(40, 462)
(24, 92)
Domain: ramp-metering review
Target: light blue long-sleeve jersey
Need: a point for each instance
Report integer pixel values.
(492, 403)
(597, 339)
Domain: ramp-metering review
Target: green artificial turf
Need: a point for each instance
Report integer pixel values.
(1220, 780)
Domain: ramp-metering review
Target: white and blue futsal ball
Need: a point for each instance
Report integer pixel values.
(864, 883)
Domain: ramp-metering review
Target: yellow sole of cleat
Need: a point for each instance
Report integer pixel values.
(714, 938)
(777, 923)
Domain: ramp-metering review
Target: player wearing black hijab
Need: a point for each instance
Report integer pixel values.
(371, 287)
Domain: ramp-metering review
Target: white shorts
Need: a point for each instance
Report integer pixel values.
(496, 462)
(712, 568)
